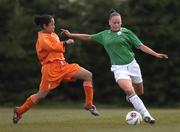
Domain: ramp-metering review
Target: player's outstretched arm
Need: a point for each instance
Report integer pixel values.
(84, 37)
(148, 50)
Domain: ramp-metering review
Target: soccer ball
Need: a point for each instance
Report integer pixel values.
(133, 118)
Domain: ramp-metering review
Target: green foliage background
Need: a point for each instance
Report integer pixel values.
(156, 23)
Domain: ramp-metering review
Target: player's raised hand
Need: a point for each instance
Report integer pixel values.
(161, 56)
(65, 32)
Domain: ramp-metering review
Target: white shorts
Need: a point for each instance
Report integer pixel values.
(130, 71)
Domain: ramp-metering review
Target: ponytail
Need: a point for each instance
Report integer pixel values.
(43, 19)
(113, 12)
(37, 20)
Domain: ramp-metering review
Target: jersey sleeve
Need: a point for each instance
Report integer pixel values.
(134, 39)
(50, 46)
(98, 37)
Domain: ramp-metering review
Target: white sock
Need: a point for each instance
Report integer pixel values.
(138, 105)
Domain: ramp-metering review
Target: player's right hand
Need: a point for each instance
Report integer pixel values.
(65, 32)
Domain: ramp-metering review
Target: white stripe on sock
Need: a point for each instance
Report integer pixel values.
(138, 105)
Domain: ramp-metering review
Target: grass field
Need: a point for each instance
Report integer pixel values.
(79, 120)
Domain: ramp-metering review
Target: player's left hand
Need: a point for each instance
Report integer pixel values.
(70, 41)
(162, 56)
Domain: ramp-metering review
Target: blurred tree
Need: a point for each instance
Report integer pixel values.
(155, 22)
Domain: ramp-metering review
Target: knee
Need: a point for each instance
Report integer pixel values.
(139, 89)
(140, 92)
(89, 76)
(129, 91)
(34, 98)
(41, 95)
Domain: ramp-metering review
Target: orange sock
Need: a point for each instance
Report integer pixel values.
(88, 89)
(32, 100)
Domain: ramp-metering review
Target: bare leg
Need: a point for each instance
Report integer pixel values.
(88, 89)
(139, 88)
(127, 87)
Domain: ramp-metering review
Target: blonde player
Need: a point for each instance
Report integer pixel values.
(118, 42)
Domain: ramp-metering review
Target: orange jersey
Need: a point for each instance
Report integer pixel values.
(49, 48)
(50, 51)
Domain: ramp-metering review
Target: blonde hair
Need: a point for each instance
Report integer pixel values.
(113, 13)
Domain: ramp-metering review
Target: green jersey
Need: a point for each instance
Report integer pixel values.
(118, 45)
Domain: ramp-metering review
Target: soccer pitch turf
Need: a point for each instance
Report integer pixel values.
(79, 120)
